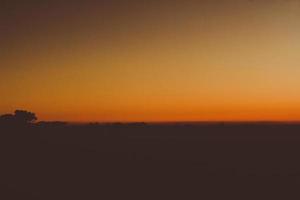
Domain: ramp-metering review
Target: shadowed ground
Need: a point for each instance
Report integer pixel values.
(140, 161)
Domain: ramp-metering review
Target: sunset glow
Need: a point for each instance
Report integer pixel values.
(151, 60)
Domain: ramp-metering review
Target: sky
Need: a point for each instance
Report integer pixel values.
(138, 60)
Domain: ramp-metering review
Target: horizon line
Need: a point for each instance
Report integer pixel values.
(180, 122)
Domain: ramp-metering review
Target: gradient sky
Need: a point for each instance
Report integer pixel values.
(139, 60)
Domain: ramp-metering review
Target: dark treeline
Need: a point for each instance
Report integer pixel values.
(56, 160)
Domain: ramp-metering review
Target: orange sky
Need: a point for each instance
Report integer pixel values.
(151, 60)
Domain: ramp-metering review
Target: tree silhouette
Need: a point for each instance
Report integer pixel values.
(6, 118)
(19, 117)
(25, 117)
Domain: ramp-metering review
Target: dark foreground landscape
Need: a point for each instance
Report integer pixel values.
(150, 161)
